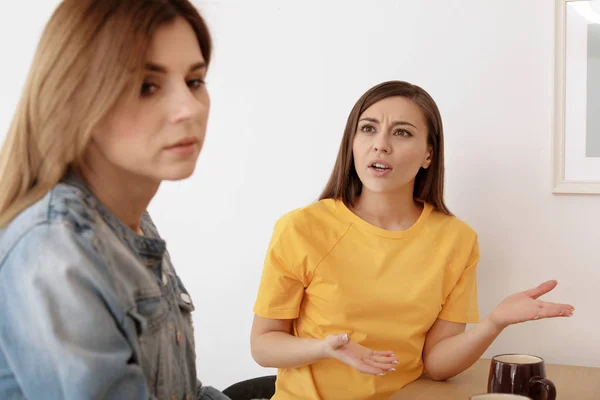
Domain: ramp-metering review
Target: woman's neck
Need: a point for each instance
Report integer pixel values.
(126, 195)
(391, 211)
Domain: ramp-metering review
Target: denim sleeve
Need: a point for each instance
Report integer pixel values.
(60, 326)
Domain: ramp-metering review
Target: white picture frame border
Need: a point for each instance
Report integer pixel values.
(561, 184)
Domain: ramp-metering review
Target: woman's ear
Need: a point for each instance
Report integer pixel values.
(428, 158)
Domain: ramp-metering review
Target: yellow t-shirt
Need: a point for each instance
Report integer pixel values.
(333, 272)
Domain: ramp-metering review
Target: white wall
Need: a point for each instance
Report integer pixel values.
(284, 78)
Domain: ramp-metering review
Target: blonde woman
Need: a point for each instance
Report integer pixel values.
(115, 103)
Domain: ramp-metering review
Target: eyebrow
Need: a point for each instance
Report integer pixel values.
(159, 68)
(394, 123)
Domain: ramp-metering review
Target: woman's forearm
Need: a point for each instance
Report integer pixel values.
(453, 355)
(282, 350)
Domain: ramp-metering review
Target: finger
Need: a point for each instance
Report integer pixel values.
(551, 310)
(385, 359)
(548, 304)
(337, 341)
(363, 367)
(384, 353)
(369, 369)
(387, 367)
(541, 289)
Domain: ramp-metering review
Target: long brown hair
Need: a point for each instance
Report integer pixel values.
(90, 54)
(344, 183)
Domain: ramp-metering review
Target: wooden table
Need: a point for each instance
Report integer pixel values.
(572, 383)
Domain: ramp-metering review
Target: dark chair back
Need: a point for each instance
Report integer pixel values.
(256, 388)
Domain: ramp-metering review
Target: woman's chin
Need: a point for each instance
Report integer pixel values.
(176, 174)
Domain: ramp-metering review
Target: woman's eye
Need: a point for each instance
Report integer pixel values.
(195, 83)
(402, 132)
(148, 88)
(367, 128)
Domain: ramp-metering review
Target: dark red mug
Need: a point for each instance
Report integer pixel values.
(520, 374)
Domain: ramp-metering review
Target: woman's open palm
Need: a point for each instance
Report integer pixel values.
(359, 357)
(525, 306)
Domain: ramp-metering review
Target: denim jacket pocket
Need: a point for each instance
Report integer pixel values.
(150, 315)
(185, 307)
(184, 301)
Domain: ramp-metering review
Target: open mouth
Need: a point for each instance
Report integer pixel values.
(380, 167)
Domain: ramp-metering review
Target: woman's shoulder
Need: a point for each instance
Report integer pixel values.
(315, 227)
(308, 233)
(320, 214)
(441, 223)
(51, 253)
(64, 213)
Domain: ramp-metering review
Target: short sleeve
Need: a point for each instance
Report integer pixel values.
(282, 282)
(461, 305)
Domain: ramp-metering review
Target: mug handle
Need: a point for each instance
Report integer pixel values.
(547, 386)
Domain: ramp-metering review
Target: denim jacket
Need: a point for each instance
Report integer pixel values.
(91, 310)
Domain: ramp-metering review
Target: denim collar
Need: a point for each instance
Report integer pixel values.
(149, 246)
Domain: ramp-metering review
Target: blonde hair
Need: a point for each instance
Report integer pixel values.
(90, 54)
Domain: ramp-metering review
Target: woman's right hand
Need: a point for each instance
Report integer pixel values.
(359, 357)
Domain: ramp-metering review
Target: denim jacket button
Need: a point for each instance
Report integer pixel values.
(185, 297)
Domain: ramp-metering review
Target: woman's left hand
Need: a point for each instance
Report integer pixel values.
(525, 306)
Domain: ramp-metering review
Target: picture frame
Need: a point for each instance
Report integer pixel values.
(576, 142)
